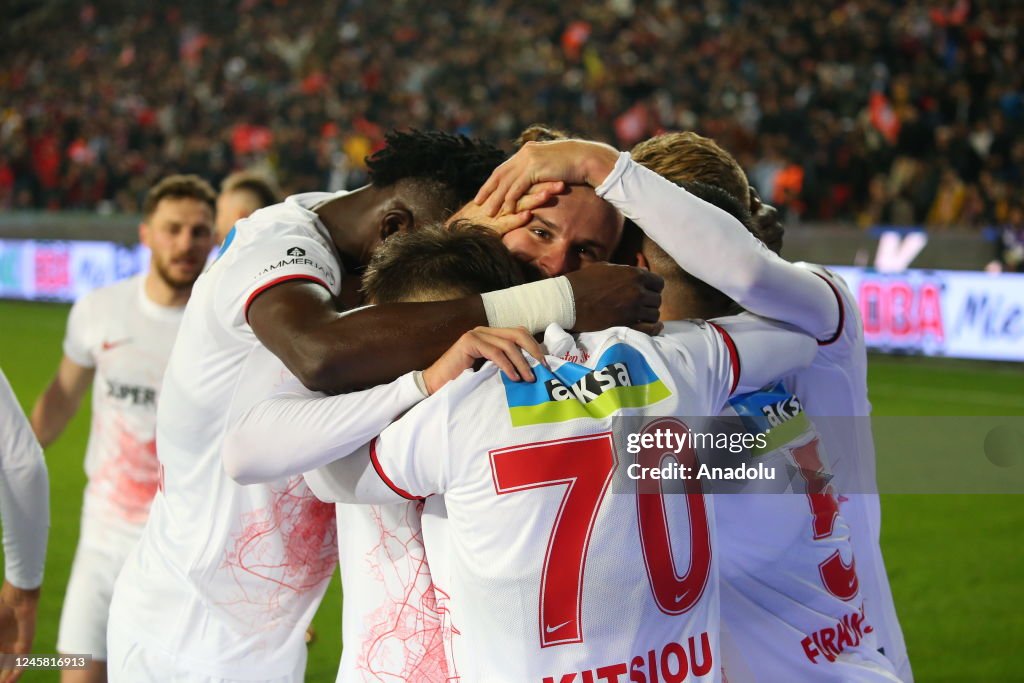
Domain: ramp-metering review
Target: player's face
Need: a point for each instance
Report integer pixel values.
(179, 234)
(571, 231)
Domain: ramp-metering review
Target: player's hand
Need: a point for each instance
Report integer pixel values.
(17, 625)
(539, 195)
(608, 295)
(499, 345)
(575, 162)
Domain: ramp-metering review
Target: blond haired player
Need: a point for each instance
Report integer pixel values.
(118, 341)
(834, 390)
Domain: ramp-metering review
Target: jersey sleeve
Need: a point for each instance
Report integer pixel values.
(728, 256)
(297, 430)
(733, 355)
(24, 495)
(258, 265)
(352, 479)
(850, 327)
(411, 456)
(77, 344)
(765, 350)
(701, 356)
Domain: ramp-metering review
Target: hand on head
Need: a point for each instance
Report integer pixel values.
(575, 162)
(538, 195)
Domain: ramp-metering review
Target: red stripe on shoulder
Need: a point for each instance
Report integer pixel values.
(842, 313)
(734, 355)
(283, 278)
(385, 478)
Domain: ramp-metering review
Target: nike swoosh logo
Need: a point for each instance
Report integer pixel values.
(680, 598)
(552, 629)
(107, 346)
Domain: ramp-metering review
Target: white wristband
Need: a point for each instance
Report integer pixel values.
(533, 306)
(421, 384)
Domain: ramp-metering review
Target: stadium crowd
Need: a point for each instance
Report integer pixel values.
(869, 110)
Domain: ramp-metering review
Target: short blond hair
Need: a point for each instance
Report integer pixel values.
(687, 157)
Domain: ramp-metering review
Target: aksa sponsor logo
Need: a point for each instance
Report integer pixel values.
(591, 385)
(620, 379)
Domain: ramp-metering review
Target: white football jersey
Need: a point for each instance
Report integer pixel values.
(24, 495)
(391, 628)
(834, 392)
(791, 599)
(127, 338)
(227, 577)
(546, 572)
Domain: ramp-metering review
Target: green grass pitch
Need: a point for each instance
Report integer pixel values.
(955, 561)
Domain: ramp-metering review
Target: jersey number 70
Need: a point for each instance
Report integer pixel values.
(584, 465)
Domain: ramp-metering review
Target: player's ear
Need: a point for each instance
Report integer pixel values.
(144, 234)
(396, 219)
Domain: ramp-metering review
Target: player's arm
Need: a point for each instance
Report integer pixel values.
(25, 517)
(297, 430)
(705, 241)
(59, 403)
(408, 461)
(298, 321)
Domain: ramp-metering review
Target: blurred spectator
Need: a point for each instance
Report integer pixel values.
(1011, 242)
(867, 110)
(241, 193)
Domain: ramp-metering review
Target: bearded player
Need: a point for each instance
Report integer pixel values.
(118, 341)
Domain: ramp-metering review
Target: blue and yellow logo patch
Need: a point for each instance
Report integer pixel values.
(621, 378)
(774, 411)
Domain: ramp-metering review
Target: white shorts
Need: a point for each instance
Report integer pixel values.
(132, 662)
(83, 619)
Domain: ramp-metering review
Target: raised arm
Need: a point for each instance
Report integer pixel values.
(298, 321)
(704, 240)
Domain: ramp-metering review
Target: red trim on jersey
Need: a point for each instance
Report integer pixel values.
(387, 480)
(842, 313)
(734, 355)
(283, 278)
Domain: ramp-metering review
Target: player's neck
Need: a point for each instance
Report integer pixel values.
(680, 302)
(163, 294)
(353, 221)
